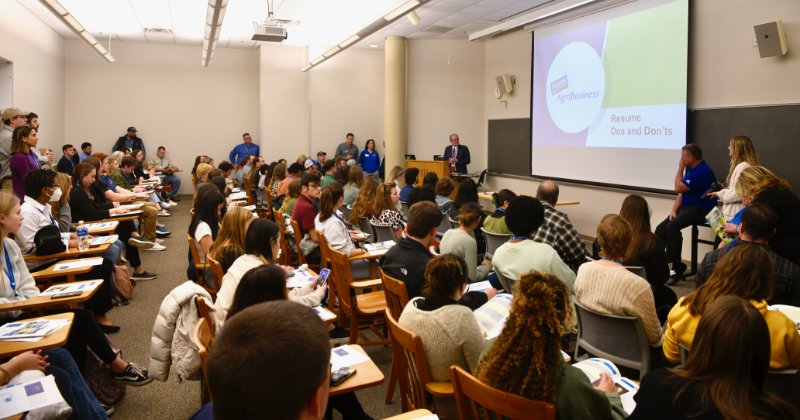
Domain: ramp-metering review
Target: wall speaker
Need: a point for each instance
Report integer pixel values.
(504, 84)
(771, 39)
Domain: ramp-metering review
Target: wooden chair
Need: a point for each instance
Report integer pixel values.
(205, 313)
(248, 189)
(620, 339)
(325, 262)
(216, 273)
(366, 306)
(199, 267)
(480, 401)
(203, 337)
(396, 299)
(416, 386)
(286, 253)
(301, 259)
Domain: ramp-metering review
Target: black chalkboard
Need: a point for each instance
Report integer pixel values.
(775, 131)
(510, 146)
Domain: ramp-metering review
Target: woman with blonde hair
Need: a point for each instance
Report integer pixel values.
(395, 175)
(758, 184)
(525, 359)
(385, 212)
(743, 155)
(364, 204)
(202, 172)
(229, 243)
(746, 272)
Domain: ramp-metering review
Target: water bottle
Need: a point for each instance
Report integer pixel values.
(83, 236)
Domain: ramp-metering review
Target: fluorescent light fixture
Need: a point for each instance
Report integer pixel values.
(373, 45)
(402, 10)
(64, 16)
(368, 30)
(349, 41)
(214, 16)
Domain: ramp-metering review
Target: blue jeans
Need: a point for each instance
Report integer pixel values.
(72, 386)
(176, 184)
(113, 252)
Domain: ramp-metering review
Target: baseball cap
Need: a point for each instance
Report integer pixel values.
(307, 164)
(351, 162)
(132, 129)
(10, 113)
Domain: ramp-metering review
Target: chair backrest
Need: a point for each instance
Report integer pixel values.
(366, 227)
(482, 177)
(205, 313)
(286, 253)
(444, 225)
(620, 339)
(480, 401)
(404, 209)
(248, 189)
(396, 294)
(346, 210)
(217, 273)
(325, 262)
(638, 270)
(412, 366)
(195, 257)
(494, 240)
(785, 384)
(203, 337)
(453, 222)
(383, 233)
(340, 266)
(301, 259)
(268, 194)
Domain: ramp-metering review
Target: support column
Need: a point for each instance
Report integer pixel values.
(394, 107)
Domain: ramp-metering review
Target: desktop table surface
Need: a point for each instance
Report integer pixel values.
(367, 374)
(70, 253)
(56, 339)
(46, 302)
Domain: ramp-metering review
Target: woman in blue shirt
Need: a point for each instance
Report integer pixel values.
(369, 159)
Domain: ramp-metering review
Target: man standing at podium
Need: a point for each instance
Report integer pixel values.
(457, 155)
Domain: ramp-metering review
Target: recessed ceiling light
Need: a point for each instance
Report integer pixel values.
(373, 45)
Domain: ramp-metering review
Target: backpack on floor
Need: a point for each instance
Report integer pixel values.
(99, 378)
(123, 282)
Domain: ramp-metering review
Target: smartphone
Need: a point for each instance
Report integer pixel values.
(65, 294)
(340, 375)
(322, 278)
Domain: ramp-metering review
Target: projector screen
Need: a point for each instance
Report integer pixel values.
(609, 95)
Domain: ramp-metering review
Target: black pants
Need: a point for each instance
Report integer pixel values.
(85, 332)
(348, 406)
(670, 230)
(124, 230)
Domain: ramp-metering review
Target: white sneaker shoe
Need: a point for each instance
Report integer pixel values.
(164, 205)
(163, 213)
(157, 247)
(172, 203)
(159, 241)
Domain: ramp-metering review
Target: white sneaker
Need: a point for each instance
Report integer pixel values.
(157, 247)
(172, 203)
(163, 213)
(164, 205)
(159, 241)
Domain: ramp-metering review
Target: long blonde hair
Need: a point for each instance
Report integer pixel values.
(365, 201)
(232, 231)
(7, 203)
(755, 179)
(742, 150)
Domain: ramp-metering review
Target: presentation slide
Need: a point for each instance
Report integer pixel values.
(609, 95)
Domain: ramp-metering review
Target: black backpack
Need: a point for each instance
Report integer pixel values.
(48, 241)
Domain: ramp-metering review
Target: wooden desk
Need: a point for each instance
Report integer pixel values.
(70, 253)
(48, 274)
(440, 167)
(56, 339)
(488, 197)
(46, 302)
(367, 375)
(104, 230)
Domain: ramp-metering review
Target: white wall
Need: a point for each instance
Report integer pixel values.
(445, 96)
(725, 70)
(167, 95)
(38, 75)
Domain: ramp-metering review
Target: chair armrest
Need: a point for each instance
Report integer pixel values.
(440, 389)
(363, 284)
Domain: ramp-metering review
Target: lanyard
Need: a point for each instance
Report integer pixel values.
(10, 273)
(33, 159)
(500, 210)
(52, 221)
(337, 216)
(516, 237)
(614, 260)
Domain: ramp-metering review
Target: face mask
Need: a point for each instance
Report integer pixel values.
(56, 195)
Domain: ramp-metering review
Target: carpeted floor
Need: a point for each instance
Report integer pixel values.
(175, 400)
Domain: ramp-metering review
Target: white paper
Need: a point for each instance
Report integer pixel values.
(27, 396)
(101, 225)
(34, 328)
(491, 316)
(127, 213)
(88, 262)
(479, 286)
(250, 207)
(299, 279)
(100, 240)
(593, 367)
(131, 206)
(80, 286)
(379, 247)
(324, 313)
(791, 312)
(346, 356)
(238, 196)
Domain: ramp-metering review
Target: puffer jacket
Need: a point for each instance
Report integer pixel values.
(172, 334)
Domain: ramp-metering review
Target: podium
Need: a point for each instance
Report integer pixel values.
(439, 167)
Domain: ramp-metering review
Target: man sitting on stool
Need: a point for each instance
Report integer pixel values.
(692, 181)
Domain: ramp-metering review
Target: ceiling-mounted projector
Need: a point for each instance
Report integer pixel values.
(269, 33)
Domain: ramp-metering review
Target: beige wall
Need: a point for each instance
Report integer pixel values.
(38, 75)
(167, 95)
(445, 96)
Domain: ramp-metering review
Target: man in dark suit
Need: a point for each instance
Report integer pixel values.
(67, 162)
(457, 155)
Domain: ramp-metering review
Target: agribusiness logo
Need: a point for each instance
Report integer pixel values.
(576, 81)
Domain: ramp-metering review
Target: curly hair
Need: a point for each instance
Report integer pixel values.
(526, 358)
(755, 179)
(364, 204)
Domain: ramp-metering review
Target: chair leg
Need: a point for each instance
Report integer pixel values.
(392, 382)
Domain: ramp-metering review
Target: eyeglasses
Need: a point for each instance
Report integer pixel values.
(314, 186)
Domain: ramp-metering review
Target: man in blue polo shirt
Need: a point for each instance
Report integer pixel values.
(240, 152)
(692, 181)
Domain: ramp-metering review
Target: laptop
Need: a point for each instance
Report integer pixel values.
(411, 157)
(439, 157)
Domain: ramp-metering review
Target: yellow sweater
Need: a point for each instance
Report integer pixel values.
(784, 338)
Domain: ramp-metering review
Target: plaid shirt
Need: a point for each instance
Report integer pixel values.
(558, 232)
(785, 274)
